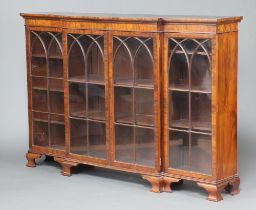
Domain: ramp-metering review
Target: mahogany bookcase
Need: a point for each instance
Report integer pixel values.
(153, 95)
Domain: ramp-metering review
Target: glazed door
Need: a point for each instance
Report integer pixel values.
(46, 89)
(135, 101)
(188, 105)
(87, 95)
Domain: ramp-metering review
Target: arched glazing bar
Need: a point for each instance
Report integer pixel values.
(81, 71)
(143, 44)
(94, 41)
(86, 50)
(123, 43)
(76, 40)
(201, 45)
(54, 38)
(38, 37)
(178, 44)
(133, 56)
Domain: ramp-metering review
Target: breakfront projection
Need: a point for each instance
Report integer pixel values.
(151, 95)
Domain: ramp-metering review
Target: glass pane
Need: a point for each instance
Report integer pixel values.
(123, 104)
(41, 117)
(78, 137)
(201, 68)
(39, 100)
(178, 69)
(122, 62)
(56, 85)
(201, 111)
(144, 146)
(144, 100)
(77, 100)
(143, 62)
(57, 102)
(38, 66)
(97, 139)
(57, 119)
(57, 136)
(55, 48)
(39, 83)
(178, 109)
(76, 59)
(96, 101)
(179, 150)
(40, 133)
(133, 60)
(56, 67)
(38, 44)
(201, 153)
(95, 59)
(124, 144)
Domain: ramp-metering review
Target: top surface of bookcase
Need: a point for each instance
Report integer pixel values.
(134, 17)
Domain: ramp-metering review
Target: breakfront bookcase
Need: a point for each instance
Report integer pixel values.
(153, 95)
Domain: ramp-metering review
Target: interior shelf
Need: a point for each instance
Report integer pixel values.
(78, 79)
(194, 90)
(195, 125)
(81, 114)
(81, 79)
(59, 57)
(201, 125)
(190, 52)
(97, 115)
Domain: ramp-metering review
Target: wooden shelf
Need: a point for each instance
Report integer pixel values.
(39, 88)
(82, 79)
(78, 79)
(130, 85)
(56, 90)
(96, 115)
(189, 52)
(195, 125)
(78, 115)
(40, 120)
(184, 123)
(58, 147)
(45, 89)
(49, 57)
(190, 90)
(87, 119)
(200, 125)
(142, 119)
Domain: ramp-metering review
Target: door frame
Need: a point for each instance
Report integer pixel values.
(32, 147)
(214, 76)
(68, 155)
(157, 91)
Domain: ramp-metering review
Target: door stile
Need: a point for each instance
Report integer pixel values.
(214, 106)
(157, 99)
(107, 95)
(29, 86)
(165, 103)
(66, 90)
(111, 98)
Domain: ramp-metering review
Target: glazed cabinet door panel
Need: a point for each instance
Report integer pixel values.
(134, 87)
(87, 94)
(47, 93)
(188, 102)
